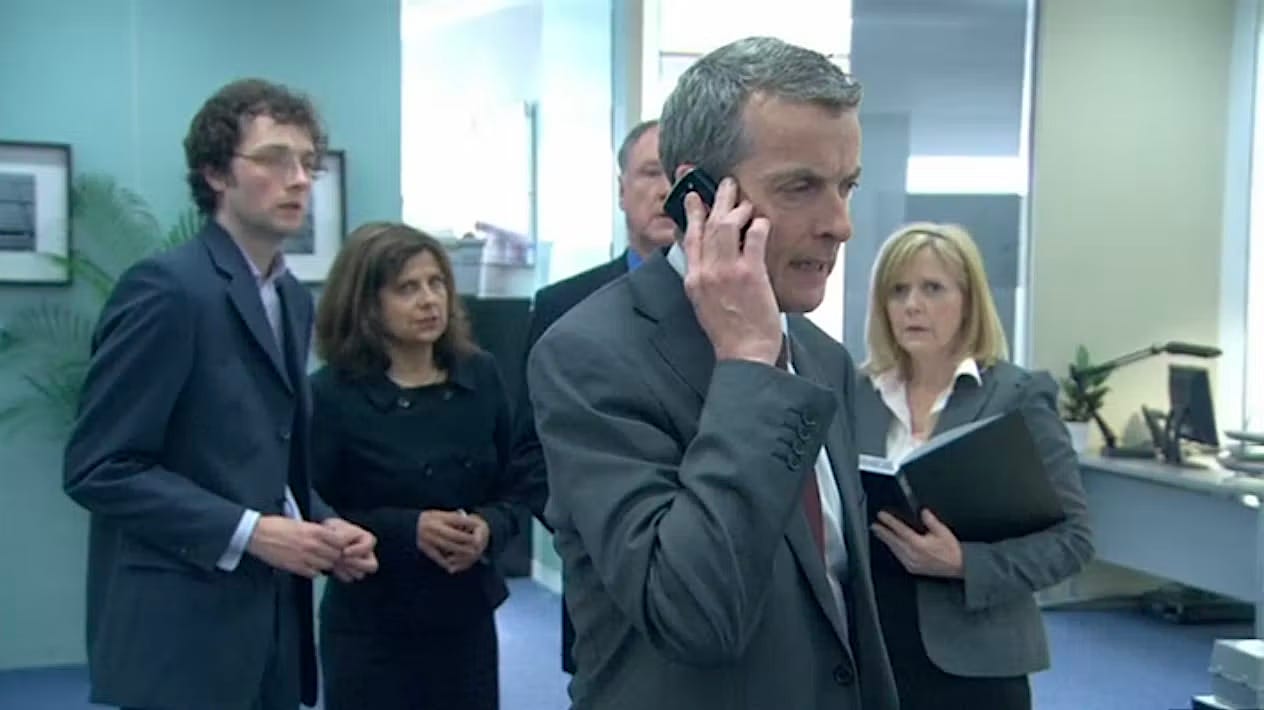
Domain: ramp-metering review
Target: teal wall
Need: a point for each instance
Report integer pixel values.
(119, 80)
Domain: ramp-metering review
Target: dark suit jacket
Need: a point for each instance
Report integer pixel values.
(675, 495)
(190, 414)
(550, 304)
(988, 624)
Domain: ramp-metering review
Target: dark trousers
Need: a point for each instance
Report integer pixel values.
(922, 685)
(568, 639)
(280, 686)
(430, 669)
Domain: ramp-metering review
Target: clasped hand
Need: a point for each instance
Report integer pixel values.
(936, 553)
(310, 549)
(454, 540)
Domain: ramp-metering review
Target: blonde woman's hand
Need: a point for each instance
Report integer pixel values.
(937, 553)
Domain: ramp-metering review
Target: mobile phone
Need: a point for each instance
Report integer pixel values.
(696, 180)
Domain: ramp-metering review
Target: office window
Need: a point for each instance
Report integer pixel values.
(677, 33)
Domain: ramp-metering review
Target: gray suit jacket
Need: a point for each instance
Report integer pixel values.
(988, 624)
(692, 577)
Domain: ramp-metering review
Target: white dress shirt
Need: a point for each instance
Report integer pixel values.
(894, 392)
(271, 299)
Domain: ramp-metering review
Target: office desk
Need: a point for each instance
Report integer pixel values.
(1187, 525)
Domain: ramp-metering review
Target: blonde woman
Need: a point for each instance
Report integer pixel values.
(961, 625)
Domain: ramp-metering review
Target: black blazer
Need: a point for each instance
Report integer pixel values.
(190, 414)
(383, 454)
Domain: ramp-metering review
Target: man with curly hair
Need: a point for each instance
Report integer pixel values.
(190, 449)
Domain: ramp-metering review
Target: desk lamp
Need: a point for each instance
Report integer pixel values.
(1080, 375)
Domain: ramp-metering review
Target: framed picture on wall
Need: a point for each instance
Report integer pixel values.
(34, 212)
(311, 252)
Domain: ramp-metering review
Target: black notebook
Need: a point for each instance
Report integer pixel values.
(985, 480)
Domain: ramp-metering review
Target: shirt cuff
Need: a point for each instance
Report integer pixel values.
(241, 538)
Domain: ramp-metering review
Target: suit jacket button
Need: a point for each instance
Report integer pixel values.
(284, 434)
(843, 674)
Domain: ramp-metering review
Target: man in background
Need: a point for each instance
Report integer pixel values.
(643, 187)
(190, 450)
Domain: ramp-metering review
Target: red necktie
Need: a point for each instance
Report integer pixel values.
(811, 491)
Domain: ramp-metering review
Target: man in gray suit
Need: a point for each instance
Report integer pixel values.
(191, 446)
(703, 488)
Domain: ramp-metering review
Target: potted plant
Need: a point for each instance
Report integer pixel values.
(47, 344)
(1082, 399)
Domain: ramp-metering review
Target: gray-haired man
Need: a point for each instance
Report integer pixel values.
(703, 489)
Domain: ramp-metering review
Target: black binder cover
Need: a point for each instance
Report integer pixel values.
(985, 481)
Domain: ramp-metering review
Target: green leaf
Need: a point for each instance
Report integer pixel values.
(1081, 357)
(18, 415)
(1080, 402)
(47, 330)
(84, 269)
(113, 215)
(30, 412)
(49, 343)
(187, 226)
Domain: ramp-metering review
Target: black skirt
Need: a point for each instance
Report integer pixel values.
(436, 669)
(922, 685)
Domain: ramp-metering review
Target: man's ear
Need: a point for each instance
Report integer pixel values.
(682, 169)
(218, 180)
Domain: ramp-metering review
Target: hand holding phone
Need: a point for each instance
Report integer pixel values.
(727, 280)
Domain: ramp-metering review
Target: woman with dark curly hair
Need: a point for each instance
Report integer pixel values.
(411, 430)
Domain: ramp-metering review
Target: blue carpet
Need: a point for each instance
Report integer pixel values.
(1103, 660)
(1126, 660)
(531, 676)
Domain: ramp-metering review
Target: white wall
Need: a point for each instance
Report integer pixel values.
(1128, 182)
(1235, 375)
(577, 164)
(1243, 287)
(468, 69)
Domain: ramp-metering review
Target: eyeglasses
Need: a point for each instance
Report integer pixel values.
(281, 161)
